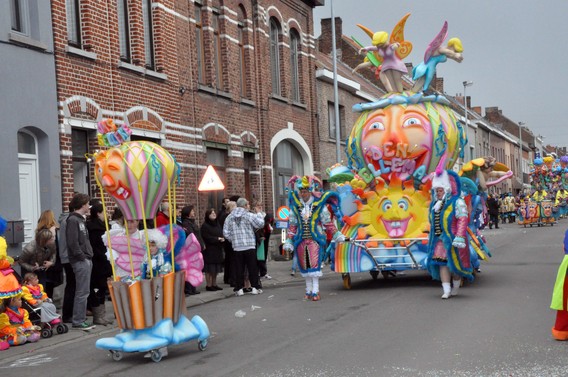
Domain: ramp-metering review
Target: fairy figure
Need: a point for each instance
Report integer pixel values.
(389, 54)
(424, 73)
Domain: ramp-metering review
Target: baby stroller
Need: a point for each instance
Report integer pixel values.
(47, 328)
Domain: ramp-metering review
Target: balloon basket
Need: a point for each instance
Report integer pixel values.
(152, 315)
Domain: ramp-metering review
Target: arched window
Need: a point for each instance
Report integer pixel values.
(241, 26)
(26, 144)
(287, 163)
(275, 56)
(295, 65)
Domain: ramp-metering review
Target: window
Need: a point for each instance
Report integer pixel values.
(241, 49)
(148, 34)
(199, 48)
(79, 146)
(216, 157)
(217, 62)
(26, 143)
(294, 64)
(275, 56)
(287, 163)
(18, 9)
(74, 22)
(331, 121)
(124, 30)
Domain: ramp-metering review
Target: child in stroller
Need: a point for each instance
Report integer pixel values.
(15, 325)
(40, 307)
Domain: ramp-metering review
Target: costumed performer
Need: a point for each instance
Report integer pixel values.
(34, 295)
(309, 222)
(448, 254)
(159, 264)
(119, 235)
(9, 285)
(560, 297)
(15, 323)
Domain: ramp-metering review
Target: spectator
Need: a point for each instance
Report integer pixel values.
(223, 213)
(117, 219)
(39, 255)
(190, 227)
(80, 256)
(229, 276)
(69, 293)
(101, 267)
(212, 234)
(493, 209)
(163, 216)
(239, 228)
(266, 233)
(34, 294)
(54, 275)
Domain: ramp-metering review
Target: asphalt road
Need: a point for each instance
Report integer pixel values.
(498, 326)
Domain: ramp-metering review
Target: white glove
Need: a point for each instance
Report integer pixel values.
(340, 238)
(459, 242)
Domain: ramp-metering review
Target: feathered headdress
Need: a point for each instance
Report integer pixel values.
(310, 182)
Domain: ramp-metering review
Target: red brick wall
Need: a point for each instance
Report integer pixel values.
(116, 90)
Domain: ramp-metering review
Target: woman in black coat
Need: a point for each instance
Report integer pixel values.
(101, 266)
(190, 227)
(212, 235)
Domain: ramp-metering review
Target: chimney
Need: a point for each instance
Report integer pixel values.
(325, 37)
(439, 84)
(477, 109)
(492, 110)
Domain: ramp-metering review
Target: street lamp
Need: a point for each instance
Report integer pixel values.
(521, 155)
(465, 85)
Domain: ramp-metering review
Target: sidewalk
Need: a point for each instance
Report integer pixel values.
(278, 270)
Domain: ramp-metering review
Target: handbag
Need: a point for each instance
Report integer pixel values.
(260, 251)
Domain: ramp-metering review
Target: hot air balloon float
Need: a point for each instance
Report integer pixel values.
(150, 309)
(396, 146)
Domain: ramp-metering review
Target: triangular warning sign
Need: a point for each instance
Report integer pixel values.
(211, 181)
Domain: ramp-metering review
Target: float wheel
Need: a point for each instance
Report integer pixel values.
(374, 274)
(202, 345)
(116, 355)
(346, 281)
(156, 356)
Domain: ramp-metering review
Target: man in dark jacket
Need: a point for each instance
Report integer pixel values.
(80, 256)
(493, 209)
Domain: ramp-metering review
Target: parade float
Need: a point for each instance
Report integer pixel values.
(151, 312)
(548, 199)
(395, 147)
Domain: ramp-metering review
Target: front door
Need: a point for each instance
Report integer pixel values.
(29, 197)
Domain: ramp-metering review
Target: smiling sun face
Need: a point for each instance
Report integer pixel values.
(394, 212)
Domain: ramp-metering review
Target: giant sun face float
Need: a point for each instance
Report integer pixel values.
(394, 146)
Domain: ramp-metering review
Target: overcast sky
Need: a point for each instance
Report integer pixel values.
(514, 51)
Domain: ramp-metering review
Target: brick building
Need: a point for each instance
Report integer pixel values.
(226, 83)
(353, 88)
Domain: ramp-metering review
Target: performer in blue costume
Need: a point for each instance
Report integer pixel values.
(448, 254)
(309, 223)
